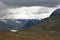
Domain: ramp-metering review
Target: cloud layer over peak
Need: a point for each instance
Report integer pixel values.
(34, 12)
(27, 9)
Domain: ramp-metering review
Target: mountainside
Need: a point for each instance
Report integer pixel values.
(16, 24)
(4, 27)
(49, 24)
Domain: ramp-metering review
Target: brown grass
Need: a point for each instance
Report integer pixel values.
(30, 36)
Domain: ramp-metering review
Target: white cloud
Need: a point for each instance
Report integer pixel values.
(13, 9)
(33, 12)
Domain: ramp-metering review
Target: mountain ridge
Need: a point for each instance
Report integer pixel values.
(51, 23)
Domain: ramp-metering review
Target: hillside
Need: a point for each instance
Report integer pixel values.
(49, 24)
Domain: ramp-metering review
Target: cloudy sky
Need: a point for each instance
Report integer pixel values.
(27, 9)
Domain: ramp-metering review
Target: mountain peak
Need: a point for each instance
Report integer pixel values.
(51, 23)
(56, 12)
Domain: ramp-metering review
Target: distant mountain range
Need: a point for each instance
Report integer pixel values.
(4, 27)
(16, 24)
(51, 23)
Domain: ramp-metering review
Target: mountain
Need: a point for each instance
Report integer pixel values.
(56, 13)
(27, 23)
(4, 27)
(16, 24)
(30, 23)
(51, 23)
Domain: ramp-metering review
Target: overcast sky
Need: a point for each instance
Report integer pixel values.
(21, 9)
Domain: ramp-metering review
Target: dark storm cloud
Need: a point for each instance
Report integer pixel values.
(48, 3)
